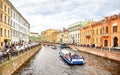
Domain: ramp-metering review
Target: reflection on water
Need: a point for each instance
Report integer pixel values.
(48, 62)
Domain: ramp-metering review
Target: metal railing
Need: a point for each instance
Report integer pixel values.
(8, 55)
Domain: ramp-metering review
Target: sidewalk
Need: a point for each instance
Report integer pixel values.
(103, 53)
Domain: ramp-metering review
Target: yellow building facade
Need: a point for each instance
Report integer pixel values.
(5, 27)
(43, 36)
(63, 36)
(97, 34)
(49, 35)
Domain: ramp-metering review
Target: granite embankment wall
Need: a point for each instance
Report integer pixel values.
(10, 66)
(106, 54)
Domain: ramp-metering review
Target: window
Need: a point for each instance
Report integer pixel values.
(1, 4)
(97, 31)
(100, 30)
(14, 14)
(14, 33)
(5, 32)
(1, 32)
(96, 40)
(1, 16)
(8, 33)
(114, 28)
(11, 23)
(1, 43)
(8, 10)
(5, 19)
(100, 40)
(93, 31)
(103, 30)
(14, 24)
(5, 8)
(106, 29)
(8, 20)
(11, 12)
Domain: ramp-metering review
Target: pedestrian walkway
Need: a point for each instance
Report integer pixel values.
(114, 55)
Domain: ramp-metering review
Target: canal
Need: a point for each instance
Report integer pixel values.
(48, 62)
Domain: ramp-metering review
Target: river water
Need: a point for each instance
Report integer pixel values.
(48, 62)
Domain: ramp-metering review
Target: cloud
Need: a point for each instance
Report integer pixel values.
(45, 14)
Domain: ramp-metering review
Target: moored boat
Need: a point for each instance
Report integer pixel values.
(72, 58)
(53, 47)
(63, 46)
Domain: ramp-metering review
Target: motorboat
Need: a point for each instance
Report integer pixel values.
(63, 46)
(72, 58)
(53, 47)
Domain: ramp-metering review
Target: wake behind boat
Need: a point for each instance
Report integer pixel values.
(71, 58)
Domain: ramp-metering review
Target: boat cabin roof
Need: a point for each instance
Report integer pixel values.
(65, 51)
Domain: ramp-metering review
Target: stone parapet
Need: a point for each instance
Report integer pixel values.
(10, 66)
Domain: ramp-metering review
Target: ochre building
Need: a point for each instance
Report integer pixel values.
(104, 33)
(5, 27)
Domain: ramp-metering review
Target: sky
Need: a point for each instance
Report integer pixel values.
(59, 14)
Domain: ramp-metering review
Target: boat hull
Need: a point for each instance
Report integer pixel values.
(69, 61)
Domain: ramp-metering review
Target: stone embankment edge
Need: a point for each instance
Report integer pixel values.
(105, 54)
(9, 67)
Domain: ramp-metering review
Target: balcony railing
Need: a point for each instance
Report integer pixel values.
(105, 34)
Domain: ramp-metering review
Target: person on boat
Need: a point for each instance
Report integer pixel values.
(70, 54)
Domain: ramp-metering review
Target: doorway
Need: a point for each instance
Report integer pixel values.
(115, 41)
(106, 43)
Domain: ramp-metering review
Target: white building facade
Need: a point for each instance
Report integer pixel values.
(74, 33)
(19, 27)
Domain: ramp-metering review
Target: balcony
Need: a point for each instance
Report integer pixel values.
(105, 35)
(88, 36)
